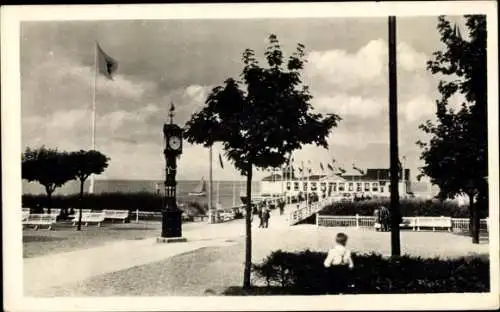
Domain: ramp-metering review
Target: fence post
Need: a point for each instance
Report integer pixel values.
(317, 219)
(137, 216)
(357, 220)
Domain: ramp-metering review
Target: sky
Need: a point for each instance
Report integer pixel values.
(160, 61)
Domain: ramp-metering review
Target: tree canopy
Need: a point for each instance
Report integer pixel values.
(261, 119)
(266, 116)
(47, 166)
(456, 155)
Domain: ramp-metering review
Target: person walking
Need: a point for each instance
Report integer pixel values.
(266, 214)
(282, 207)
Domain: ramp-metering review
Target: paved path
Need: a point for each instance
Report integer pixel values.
(62, 268)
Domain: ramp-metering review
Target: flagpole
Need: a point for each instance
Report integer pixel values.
(91, 187)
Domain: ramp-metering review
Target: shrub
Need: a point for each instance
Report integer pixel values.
(408, 207)
(303, 273)
(144, 201)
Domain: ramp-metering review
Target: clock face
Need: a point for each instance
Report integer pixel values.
(174, 143)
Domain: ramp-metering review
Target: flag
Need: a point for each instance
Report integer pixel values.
(105, 63)
(309, 169)
(330, 167)
(342, 170)
(357, 169)
(221, 163)
(321, 166)
(300, 170)
(172, 107)
(333, 160)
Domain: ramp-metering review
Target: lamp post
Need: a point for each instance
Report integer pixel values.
(393, 126)
(171, 229)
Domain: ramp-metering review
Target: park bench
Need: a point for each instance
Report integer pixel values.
(90, 217)
(56, 212)
(38, 220)
(416, 223)
(408, 222)
(116, 215)
(433, 222)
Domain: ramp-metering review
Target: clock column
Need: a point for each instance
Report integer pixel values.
(171, 230)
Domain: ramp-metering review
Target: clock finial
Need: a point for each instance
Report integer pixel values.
(171, 113)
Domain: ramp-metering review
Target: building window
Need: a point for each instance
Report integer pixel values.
(375, 187)
(358, 187)
(296, 186)
(351, 187)
(288, 186)
(341, 187)
(313, 186)
(304, 186)
(367, 187)
(334, 186)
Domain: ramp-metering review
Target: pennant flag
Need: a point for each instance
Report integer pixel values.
(330, 167)
(309, 169)
(221, 163)
(321, 166)
(357, 169)
(105, 63)
(342, 170)
(300, 170)
(333, 160)
(172, 107)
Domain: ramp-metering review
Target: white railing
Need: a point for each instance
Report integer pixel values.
(415, 223)
(304, 211)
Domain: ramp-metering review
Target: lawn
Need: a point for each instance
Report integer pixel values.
(212, 270)
(65, 238)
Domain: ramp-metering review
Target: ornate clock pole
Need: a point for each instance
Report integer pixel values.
(171, 229)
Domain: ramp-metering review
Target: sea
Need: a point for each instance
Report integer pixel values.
(228, 194)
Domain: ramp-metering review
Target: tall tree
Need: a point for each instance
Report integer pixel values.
(261, 120)
(83, 164)
(456, 156)
(48, 167)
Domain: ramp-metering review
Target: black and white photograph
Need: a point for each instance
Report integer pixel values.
(250, 156)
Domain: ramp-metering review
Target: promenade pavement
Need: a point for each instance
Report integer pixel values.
(48, 271)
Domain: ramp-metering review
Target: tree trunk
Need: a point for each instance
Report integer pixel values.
(248, 232)
(79, 227)
(49, 199)
(474, 220)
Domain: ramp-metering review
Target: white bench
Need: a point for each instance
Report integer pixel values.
(116, 214)
(89, 217)
(433, 222)
(25, 215)
(423, 222)
(408, 222)
(38, 220)
(56, 212)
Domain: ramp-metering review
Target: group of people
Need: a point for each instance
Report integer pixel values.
(263, 210)
(383, 217)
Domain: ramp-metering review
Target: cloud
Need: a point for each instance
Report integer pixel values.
(367, 66)
(350, 105)
(418, 108)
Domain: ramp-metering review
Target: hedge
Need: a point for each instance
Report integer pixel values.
(408, 207)
(143, 201)
(303, 273)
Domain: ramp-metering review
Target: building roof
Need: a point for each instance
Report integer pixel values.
(371, 174)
